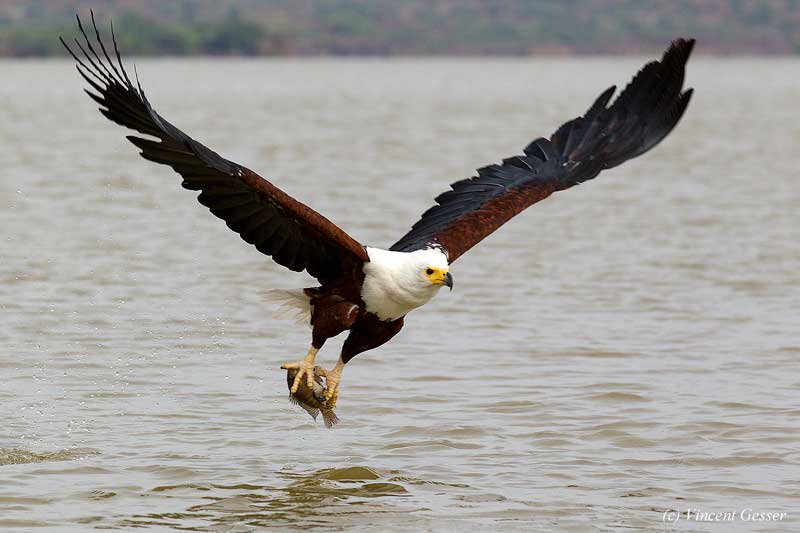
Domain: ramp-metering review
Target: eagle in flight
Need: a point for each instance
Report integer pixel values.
(369, 290)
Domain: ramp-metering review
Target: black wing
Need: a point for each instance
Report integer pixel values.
(643, 114)
(293, 234)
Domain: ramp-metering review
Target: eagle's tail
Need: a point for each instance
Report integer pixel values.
(640, 117)
(293, 304)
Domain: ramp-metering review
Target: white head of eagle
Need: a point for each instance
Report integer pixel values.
(396, 283)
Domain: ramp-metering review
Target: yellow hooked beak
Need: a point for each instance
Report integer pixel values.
(440, 277)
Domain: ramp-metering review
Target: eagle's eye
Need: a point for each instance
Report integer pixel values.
(429, 271)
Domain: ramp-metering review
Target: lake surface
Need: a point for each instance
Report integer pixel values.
(625, 350)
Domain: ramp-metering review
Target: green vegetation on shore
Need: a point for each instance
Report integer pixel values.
(272, 27)
(139, 35)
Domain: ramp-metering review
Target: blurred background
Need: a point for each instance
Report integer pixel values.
(409, 27)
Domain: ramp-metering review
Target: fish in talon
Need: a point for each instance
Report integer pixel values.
(311, 399)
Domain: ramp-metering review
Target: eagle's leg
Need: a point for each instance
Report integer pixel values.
(330, 316)
(365, 335)
(332, 379)
(304, 367)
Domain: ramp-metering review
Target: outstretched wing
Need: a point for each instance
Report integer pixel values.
(293, 234)
(643, 114)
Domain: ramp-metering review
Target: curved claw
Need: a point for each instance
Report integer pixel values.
(333, 388)
(334, 397)
(332, 379)
(303, 368)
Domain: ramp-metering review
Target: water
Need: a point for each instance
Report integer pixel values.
(624, 349)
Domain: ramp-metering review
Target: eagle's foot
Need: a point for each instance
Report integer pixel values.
(305, 368)
(332, 379)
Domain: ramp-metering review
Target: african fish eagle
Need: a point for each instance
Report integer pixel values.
(369, 290)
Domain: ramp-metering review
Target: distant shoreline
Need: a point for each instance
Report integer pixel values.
(358, 57)
(411, 28)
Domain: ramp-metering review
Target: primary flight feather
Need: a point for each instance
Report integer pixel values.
(367, 290)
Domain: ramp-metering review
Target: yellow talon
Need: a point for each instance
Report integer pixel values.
(332, 379)
(304, 367)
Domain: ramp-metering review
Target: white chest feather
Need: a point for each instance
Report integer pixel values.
(395, 283)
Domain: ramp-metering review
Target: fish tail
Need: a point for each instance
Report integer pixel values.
(329, 417)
